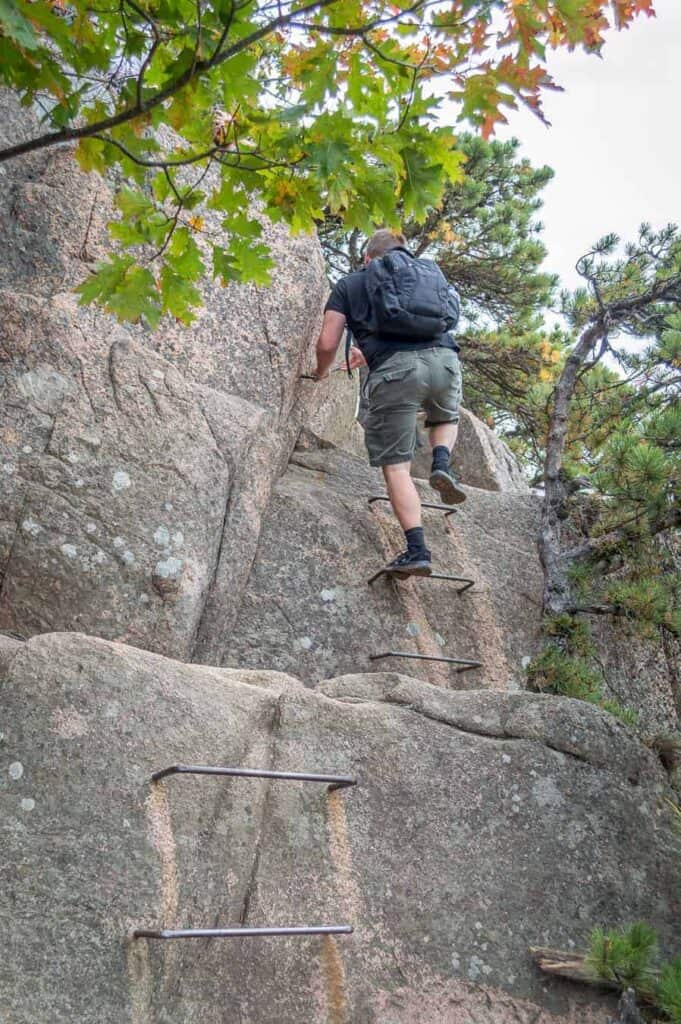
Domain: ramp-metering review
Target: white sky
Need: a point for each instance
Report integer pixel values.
(614, 141)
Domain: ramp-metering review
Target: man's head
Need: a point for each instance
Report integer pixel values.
(382, 241)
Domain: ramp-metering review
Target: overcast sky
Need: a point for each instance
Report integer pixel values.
(614, 141)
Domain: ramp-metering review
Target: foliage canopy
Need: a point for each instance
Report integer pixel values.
(305, 106)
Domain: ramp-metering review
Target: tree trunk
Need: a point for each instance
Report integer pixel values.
(628, 1010)
(557, 591)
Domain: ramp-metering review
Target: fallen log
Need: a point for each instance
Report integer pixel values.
(568, 965)
(574, 967)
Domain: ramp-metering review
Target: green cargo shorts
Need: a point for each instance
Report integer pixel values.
(429, 379)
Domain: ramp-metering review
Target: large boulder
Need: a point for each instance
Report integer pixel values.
(479, 456)
(135, 465)
(483, 823)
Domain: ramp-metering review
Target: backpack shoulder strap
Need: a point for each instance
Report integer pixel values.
(348, 346)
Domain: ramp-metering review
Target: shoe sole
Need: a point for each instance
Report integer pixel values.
(446, 488)
(417, 570)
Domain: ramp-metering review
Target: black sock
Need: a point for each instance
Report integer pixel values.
(416, 542)
(440, 457)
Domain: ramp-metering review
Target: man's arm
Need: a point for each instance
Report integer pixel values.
(329, 339)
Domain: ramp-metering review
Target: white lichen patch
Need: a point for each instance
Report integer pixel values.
(169, 568)
(68, 724)
(475, 966)
(31, 527)
(27, 804)
(120, 481)
(328, 595)
(162, 537)
(8, 467)
(27, 449)
(505, 758)
(546, 793)
(305, 642)
(128, 557)
(118, 542)
(72, 457)
(70, 550)
(178, 538)
(168, 507)
(90, 527)
(15, 770)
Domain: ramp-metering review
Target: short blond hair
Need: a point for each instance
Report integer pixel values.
(384, 240)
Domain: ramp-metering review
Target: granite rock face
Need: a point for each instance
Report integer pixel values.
(307, 608)
(135, 466)
(531, 820)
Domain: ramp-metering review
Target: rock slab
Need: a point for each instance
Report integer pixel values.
(482, 824)
(135, 466)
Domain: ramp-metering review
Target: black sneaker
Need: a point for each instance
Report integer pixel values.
(446, 483)
(411, 564)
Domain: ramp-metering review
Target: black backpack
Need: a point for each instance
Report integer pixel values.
(409, 297)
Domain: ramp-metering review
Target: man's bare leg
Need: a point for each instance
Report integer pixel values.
(444, 433)
(403, 495)
(442, 479)
(406, 504)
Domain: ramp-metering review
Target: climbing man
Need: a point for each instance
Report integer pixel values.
(401, 312)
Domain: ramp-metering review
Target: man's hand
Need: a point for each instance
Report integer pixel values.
(356, 359)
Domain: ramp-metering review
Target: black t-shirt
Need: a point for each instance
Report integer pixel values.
(351, 298)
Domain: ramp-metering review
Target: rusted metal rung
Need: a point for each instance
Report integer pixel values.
(431, 576)
(239, 933)
(466, 665)
(335, 781)
(447, 509)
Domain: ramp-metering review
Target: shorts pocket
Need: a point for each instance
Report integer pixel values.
(388, 377)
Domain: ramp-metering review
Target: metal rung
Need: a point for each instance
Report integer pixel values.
(238, 933)
(447, 509)
(431, 576)
(336, 781)
(467, 665)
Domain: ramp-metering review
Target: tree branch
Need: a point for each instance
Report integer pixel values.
(595, 546)
(197, 69)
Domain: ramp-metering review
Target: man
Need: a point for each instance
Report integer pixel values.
(407, 372)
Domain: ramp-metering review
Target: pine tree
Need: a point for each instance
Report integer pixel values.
(617, 434)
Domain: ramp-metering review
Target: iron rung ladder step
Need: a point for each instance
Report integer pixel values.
(431, 576)
(467, 665)
(239, 933)
(447, 509)
(334, 781)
